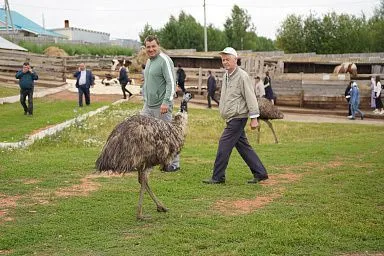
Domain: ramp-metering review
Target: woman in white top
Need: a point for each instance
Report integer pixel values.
(379, 103)
(259, 87)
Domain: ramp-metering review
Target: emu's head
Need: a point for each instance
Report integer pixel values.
(181, 117)
(184, 106)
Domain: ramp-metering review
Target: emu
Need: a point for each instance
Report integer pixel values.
(268, 111)
(140, 143)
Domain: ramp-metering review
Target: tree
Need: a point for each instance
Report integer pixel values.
(236, 28)
(290, 37)
(182, 33)
(216, 39)
(148, 30)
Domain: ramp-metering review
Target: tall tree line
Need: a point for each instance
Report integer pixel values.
(332, 33)
(184, 32)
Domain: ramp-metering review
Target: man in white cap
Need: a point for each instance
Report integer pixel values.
(237, 103)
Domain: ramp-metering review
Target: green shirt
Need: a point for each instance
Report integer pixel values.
(159, 81)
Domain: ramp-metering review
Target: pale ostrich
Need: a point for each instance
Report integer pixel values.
(140, 143)
(268, 111)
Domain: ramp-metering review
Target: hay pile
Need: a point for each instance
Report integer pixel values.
(55, 51)
(140, 58)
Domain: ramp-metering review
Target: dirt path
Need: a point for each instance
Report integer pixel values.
(294, 117)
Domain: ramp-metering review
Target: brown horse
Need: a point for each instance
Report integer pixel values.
(346, 67)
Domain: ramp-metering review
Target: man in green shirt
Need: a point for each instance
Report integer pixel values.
(159, 87)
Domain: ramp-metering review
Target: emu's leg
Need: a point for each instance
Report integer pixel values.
(141, 176)
(160, 206)
(273, 131)
(258, 133)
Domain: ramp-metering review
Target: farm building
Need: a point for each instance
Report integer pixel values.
(80, 34)
(24, 26)
(7, 45)
(304, 79)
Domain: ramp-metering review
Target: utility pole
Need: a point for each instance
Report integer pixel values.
(8, 14)
(205, 30)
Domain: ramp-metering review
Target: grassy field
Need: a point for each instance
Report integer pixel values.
(6, 91)
(15, 126)
(324, 195)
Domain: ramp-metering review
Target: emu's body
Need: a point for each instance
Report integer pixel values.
(268, 111)
(141, 142)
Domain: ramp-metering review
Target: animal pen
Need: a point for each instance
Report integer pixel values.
(299, 80)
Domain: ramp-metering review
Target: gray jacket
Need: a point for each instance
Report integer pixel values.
(238, 99)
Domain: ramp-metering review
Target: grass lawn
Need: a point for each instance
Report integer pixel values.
(324, 196)
(46, 112)
(6, 91)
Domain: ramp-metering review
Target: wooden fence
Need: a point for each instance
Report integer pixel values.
(52, 71)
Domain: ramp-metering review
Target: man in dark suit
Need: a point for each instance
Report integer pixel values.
(124, 79)
(84, 80)
(211, 87)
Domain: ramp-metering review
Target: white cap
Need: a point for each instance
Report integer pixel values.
(229, 50)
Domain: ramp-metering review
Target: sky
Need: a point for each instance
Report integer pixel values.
(127, 18)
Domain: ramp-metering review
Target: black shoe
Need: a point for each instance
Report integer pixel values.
(212, 181)
(362, 117)
(257, 180)
(171, 168)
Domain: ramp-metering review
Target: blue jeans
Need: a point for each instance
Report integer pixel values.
(354, 109)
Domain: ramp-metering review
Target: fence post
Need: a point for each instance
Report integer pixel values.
(302, 91)
(64, 69)
(200, 81)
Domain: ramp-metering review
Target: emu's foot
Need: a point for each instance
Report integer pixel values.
(161, 208)
(143, 217)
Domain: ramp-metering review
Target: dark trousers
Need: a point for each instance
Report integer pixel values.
(234, 136)
(379, 103)
(349, 108)
(84, 90)
(211, 95)
(23, 96)
(124, 89)
(181, 85)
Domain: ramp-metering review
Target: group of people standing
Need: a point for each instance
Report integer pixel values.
(352, 95)
(376, 102)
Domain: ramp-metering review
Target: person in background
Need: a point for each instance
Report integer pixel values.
(355, 101)
(378, 102)
(159, 88)
(142, 78)
(373, 100)
(123, 79)
(268, 88)
(259, 87)
(84, 81)
(347, 94)
(211, 88)
(238, 102)
(26, 78)
(180, 74)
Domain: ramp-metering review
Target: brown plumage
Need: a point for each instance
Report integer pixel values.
(268, 111)
(140, 143)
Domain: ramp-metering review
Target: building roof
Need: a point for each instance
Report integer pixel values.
(5, 44)
(20, 22)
